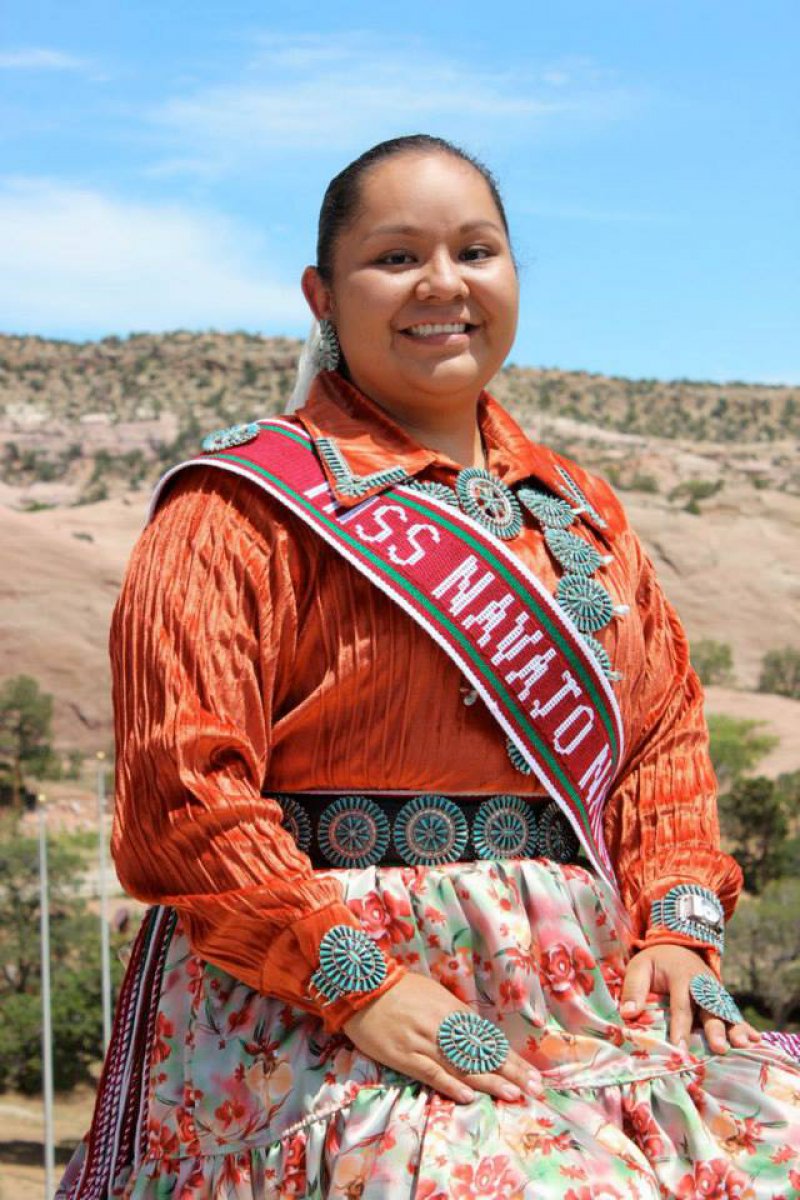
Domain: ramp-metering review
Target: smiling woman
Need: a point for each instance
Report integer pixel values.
(422, 289)
(413, 772)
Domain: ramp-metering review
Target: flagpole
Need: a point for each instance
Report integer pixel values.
(47, 1030)
(105, 946)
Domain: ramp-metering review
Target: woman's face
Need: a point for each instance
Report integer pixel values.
(424, 294)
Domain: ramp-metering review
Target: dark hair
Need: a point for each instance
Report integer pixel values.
(343, 193)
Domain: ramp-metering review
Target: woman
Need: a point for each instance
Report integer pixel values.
(361, 749)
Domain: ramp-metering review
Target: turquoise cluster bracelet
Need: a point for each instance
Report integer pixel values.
(349, 961)
(692, 910)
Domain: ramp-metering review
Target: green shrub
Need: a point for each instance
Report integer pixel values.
(713, 661)
(695, 490)
(780, 672)
(736, 746)
(755, 820)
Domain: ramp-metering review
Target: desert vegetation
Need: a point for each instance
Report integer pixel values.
(95, 419)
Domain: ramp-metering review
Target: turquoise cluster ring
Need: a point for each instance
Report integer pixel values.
(709, 994)
(472, 1043)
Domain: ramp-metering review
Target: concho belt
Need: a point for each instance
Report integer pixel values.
(425, 830)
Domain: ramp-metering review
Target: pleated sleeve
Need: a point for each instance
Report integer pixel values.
(202, 640)
(661, 821)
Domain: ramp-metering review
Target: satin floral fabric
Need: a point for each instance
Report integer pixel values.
(249, 1097)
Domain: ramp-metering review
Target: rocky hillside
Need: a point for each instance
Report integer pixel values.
(82, 422)
(709, 474)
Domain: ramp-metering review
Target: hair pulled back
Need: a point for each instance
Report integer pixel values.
(343, 194)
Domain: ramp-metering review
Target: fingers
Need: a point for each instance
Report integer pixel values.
(740, 1036)
(444, 1081)
(511, 1080)
(636, 986)
(715, 1031)
(681, 1013)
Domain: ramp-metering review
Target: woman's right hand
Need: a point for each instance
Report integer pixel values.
(399, 1030)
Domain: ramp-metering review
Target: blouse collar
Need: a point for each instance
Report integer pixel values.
(362, 443)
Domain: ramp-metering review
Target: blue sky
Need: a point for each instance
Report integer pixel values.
(161, 165)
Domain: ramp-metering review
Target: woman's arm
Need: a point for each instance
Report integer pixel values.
(201, 640)
(661, 820)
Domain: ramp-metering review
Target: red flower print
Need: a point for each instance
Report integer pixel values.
(492, 1178)
(519, 958)
(638, 1123)
(601, 1192)
(512, 993)
(235, 1169)
(784, 1154)
(382, 918)
(453, 972)
(164, 1029)
(194, 971)
(713, 1180)
(697, 1093)
(572, 1172)
(187, 1131)
(434, 915)
(565, 971)
(240, 1016)
(162, 1142)
(294, 1167)
(794, 1179)
(427, 1190)
(230, 1111)
(743, 1137)
(536, 1142)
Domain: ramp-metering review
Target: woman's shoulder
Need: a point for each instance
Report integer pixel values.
(216, 478)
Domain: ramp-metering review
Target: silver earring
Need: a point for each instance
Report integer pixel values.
(328, 351)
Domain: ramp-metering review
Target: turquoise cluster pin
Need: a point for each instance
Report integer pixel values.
(226, 439)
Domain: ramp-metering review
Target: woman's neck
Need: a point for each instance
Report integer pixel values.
(453, 433)
(461, 443)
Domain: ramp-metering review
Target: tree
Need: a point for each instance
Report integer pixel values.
(26, 715)
(736, 746)
(780, 672)
(75, 964)
(755, 818)
(763, 948)
(713, 661)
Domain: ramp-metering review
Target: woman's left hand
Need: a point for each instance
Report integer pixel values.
(668, 970)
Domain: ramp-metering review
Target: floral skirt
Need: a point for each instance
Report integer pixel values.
(213, 1090)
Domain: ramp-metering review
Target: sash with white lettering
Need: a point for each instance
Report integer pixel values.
(478, 601)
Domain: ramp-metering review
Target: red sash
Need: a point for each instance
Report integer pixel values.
(477, 600)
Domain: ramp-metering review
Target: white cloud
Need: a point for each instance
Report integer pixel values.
(37, 59)
(74, 260)
(314, 93)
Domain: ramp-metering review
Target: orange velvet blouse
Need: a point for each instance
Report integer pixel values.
(249, 659)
